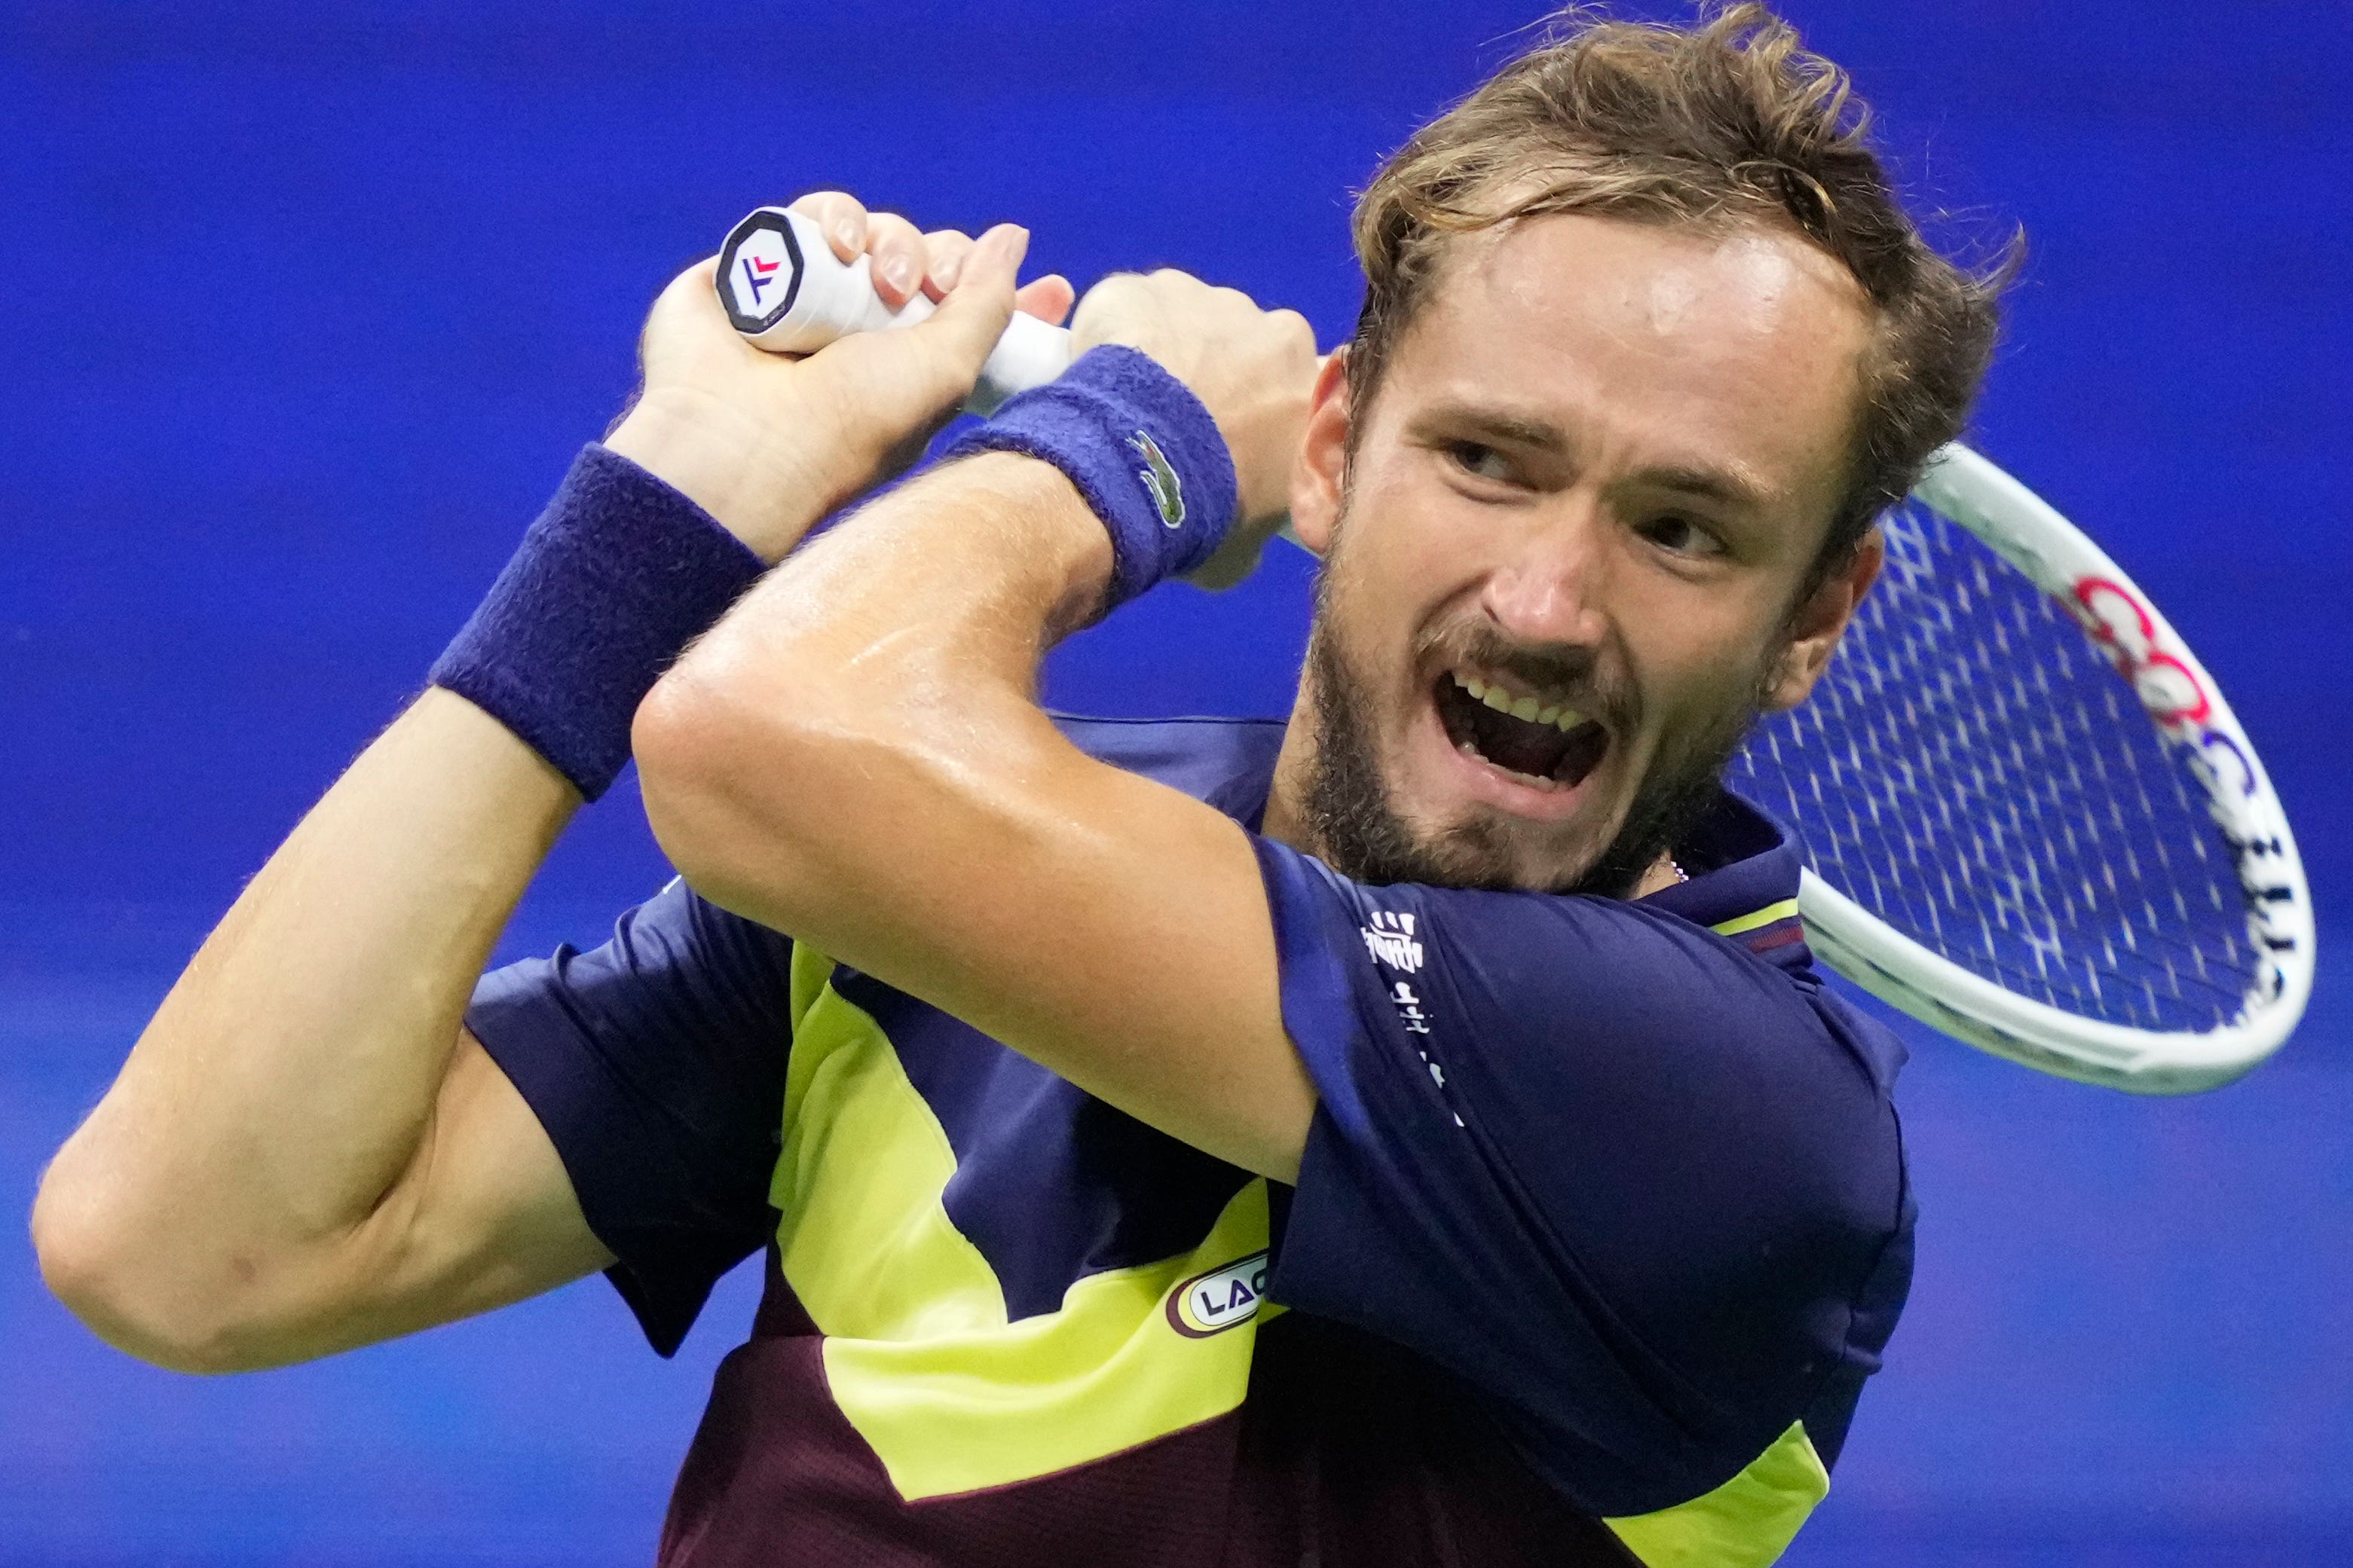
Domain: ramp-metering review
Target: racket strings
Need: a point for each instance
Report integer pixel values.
(1972, 772)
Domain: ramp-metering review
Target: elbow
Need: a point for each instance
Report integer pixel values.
(685, 772)
(784, 787)
(730, 782)
(101, 1265)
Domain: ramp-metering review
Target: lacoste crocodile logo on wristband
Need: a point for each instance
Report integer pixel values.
(1160, 478)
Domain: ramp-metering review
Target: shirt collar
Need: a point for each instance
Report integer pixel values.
(1743, 863)
(1744, 869)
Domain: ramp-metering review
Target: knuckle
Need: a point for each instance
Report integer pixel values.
(840, 215)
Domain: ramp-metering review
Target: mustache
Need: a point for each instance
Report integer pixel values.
(1577, 673)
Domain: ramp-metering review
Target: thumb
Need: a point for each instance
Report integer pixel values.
(976, 312)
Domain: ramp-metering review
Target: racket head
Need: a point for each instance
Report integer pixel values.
(2031, 820)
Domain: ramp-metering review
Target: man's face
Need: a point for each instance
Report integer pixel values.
(1565, 545)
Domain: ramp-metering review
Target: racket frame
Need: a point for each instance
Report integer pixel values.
(2187, 706)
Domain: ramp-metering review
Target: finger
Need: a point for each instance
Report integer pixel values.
(973, 317)
(946, 249)
(840, 216)
(685, 294)
(701, 276)
(1049, 299)
(897, 248)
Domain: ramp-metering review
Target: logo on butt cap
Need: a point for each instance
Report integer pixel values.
(759, 272)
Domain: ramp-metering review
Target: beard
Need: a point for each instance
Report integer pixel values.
(1347, 807)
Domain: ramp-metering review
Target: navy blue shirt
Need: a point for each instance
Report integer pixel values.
(1622, 1174)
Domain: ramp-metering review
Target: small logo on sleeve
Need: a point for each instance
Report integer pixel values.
(1410, 1013)
(1391, 940)
(1160, 478)
(1220, 1300)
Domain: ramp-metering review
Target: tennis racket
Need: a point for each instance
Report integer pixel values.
(2030, 819)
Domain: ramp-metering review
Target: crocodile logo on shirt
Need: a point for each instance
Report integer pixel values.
(1160, 478)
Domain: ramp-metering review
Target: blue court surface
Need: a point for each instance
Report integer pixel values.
(308, 307)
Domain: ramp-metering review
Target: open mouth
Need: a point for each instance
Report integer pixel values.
(1541, 741)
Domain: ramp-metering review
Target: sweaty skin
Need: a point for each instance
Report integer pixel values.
(1574, 474)
(1615, 485)
(306, 1151)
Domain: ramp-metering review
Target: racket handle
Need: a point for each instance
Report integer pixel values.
(786, 292)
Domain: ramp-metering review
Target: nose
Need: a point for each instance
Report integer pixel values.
(1552, 583)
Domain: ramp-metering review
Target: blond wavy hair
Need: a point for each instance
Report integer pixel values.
(1727, 122)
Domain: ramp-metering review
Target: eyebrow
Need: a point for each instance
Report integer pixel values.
(1513, 428)
(1708, 484)
(1722, 486)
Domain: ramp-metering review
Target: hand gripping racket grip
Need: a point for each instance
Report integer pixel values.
(785, 291)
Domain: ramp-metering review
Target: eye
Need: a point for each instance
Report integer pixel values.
(1482, 461)
(1680, 535)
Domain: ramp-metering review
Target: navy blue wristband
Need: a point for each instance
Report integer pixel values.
(618, 575)
(1139, 446)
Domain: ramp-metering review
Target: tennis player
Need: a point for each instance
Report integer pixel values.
(1410, 1133)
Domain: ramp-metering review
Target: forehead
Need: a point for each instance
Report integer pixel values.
(1735, 346)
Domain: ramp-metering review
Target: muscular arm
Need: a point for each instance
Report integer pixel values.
(856, 756)
(305, 1152)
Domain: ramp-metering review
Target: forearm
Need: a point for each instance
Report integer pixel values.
(856, 756)
(304, 1151)
(887, 672)
(288, 1080)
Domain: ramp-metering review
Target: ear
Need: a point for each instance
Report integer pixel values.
(1320, 475)
(1819, 622)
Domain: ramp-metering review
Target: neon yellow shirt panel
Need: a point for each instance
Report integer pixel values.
(919, 1353)
(1746, 1523)
(953, 1397)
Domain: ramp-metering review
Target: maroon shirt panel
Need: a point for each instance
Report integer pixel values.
(1346, 1451)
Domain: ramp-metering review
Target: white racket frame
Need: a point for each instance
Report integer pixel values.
(2187, 706)
(824, 298)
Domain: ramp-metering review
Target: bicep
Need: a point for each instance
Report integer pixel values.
(1117, 930)
(484, 1215)
(1108, 926)
(855, 755)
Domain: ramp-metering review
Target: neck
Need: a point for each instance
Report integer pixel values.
(1285, 822)
(1663, 873)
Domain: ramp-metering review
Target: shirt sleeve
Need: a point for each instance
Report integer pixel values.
(1598, 1161)
(657, 1065)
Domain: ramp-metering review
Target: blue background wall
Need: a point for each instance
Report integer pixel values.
(306, 308)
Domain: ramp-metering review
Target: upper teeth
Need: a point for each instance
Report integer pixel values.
(1526, 708)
